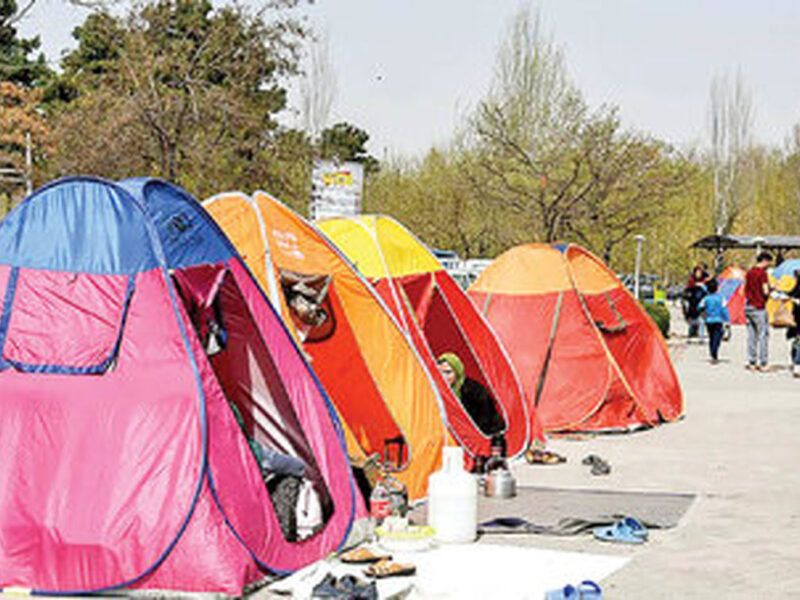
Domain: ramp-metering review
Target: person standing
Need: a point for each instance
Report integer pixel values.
(715, 313)
(793, 332)
(756, 292)
(692, 295)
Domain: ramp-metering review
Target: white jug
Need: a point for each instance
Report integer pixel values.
(453, 500)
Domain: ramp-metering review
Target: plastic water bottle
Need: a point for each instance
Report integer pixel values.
(380, 503)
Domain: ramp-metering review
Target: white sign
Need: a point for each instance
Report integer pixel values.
(336, 189)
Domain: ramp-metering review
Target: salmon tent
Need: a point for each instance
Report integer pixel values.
(373, 374)
(439, 318)
(731, 286)
(123, 463)
(588, 355)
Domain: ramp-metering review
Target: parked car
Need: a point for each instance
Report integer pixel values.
(650, 290)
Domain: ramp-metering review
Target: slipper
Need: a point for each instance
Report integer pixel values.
(589, 590)
(625, 531)
(601, 467)
(362, 556)
(636, 527)
(568, 592)
(387, 568)
(591, 459)
(534, 456)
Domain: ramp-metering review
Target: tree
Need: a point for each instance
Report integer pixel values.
(24, 140)
(345, 142)
(637, 180)
(16, 64)
(731, 121)
(180, 90)
(534, 134)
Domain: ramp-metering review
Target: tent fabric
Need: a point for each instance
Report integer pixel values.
(588, 355)
(731, 286)
(439, 318)
(137, 475)
(373, 374)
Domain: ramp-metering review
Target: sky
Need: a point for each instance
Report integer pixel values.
(409, 70)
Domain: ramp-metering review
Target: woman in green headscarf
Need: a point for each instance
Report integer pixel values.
(475, 398)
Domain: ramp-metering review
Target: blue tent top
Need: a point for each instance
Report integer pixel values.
(787, 267)
(92, 225)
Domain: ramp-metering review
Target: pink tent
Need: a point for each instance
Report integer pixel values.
(128, 323)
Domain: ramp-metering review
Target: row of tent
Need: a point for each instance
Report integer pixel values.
(131, 317)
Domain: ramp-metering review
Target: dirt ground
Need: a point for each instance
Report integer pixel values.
(738, 450)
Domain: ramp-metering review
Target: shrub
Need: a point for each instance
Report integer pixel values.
(659, 314)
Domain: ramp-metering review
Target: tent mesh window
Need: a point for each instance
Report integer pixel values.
(309, 302)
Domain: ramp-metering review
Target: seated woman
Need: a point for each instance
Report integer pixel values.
(283, 475)
(475, 398)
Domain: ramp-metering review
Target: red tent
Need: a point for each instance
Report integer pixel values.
(588, 355)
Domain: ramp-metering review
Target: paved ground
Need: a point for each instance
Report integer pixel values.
(738, 449)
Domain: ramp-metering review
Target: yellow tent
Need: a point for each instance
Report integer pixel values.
(440, 318)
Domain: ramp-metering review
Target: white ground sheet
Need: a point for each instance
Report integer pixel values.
(466, 571)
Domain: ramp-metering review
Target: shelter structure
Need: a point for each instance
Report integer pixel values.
(439, 317)
(731, 286)
(748, 242)
(588, 355)
(129, 326)
(382, 390)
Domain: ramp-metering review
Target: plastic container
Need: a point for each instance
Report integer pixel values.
(412, 539)
(453, 500)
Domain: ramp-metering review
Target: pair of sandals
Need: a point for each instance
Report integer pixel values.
(347, 587)
(535, 456)
(627, 530)
(380, 565)
(587, 590)
(599, 466)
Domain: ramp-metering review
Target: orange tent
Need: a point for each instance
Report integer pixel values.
(385, 395)
(440, 318)
(588, 355)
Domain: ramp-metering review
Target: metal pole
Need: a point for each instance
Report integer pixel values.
(28, 165)
(638, 268)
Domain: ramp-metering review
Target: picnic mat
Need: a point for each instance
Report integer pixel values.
(561, 511)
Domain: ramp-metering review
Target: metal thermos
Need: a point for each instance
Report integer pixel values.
(500, 483)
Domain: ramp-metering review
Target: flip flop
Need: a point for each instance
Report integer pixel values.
(589, 590)
(601, 467)
(387, 568)
(636, 527)
(568, 592)
(543, 457)
(362, 556)
(591, 459)
(622, 532)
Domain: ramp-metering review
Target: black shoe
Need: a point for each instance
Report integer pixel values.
(327, 588)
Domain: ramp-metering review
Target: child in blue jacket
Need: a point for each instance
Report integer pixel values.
(715, 314)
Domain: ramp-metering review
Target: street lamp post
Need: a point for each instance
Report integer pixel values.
(638, 268)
